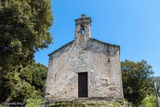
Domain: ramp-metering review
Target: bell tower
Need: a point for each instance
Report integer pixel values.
(83, 27)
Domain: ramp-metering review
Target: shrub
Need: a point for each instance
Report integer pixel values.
(149, 101)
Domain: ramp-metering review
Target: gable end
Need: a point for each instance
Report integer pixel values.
(61, 48)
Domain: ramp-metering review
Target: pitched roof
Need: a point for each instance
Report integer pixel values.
(95, 40)
(61, 48)
(104, 42)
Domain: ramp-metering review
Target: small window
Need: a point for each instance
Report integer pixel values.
(82, 30)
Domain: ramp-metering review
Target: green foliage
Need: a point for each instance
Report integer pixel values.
(39, 74)
(17, 89)
(26, 74)
(24, 29)
(137, 80)
(8, 84)
(35, 74)
(3, 106)
(86, 104)
(20, 84)
(149, 101)
(34, 102)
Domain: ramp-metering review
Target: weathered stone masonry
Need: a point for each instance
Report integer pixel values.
(99, 60)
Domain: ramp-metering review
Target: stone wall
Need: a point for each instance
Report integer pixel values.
(99, 59)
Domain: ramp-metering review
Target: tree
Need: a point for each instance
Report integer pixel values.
(24, 83)
(35, 74)
(137, 80)
(149, 101)
(24, 26)
(24, 29)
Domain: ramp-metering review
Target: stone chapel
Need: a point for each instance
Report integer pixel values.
(84, 68)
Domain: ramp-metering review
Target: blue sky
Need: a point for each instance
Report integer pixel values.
(132, 24)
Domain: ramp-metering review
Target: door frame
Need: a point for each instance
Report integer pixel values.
(79, 96)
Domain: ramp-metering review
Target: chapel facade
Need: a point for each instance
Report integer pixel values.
(85, 68)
